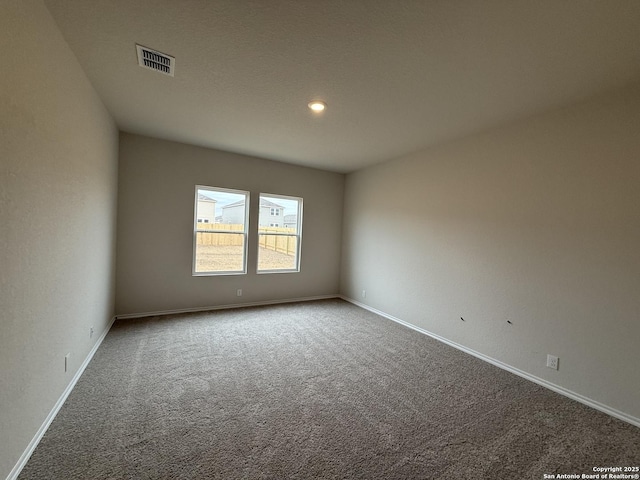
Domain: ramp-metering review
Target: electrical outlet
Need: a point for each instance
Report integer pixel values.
(66, 362)
(553, 362)
(364, 294)
(239, 292)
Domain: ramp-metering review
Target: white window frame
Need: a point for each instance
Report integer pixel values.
(245, 243)
(298, 234)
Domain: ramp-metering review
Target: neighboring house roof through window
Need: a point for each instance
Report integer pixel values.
(263, 203)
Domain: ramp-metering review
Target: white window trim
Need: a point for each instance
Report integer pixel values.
(231, 232)
(298, 234)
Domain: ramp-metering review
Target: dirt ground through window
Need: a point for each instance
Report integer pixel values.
(229, 258)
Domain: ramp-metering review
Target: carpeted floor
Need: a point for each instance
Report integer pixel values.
(312, 390)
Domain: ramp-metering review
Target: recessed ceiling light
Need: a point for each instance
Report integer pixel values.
(317, 106)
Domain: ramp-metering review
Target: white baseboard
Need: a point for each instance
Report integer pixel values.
(551, 386)
(24, 458)
(224, 307)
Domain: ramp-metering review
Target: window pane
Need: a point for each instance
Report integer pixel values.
(220, 230)
(277, 252)
(280, 212)
(279, 229)
(219, 206)
(219, 252)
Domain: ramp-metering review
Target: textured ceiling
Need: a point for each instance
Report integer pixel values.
(397, 75)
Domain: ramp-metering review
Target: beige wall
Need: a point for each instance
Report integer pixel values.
(58, 154)
(155, 226)
(537, 223)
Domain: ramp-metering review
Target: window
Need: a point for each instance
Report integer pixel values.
(279, 246)
(220, 231)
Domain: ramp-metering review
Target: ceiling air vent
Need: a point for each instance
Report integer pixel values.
(154, 60)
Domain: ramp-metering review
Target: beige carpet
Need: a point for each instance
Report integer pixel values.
(312, 390)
